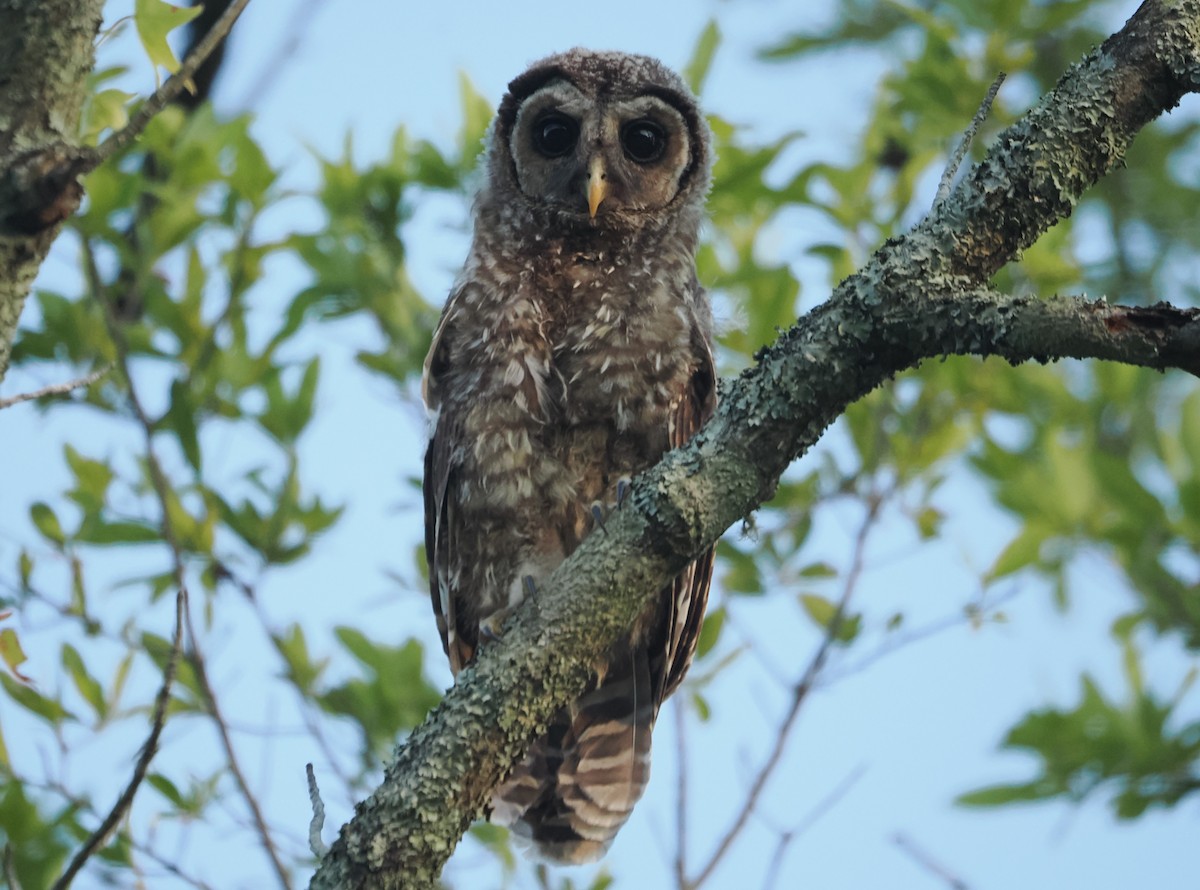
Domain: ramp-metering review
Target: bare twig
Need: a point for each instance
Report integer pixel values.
(899, 641)
(166, 93)
(55, 389)
(681, 795)
(964, 144)
(285, 52)
(159, 480)
(10, 869)
(799, 697)
(823, 806)
(319, 847)
(926, 861)
(196, 659)
(157, 721)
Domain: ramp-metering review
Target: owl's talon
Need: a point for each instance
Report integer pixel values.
(530, 586)
(491, 629)
(622, 490)
(597, 512)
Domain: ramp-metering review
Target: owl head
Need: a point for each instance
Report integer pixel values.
(600, 140)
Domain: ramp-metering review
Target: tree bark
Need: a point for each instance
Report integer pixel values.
(47, 51)
(920, 296)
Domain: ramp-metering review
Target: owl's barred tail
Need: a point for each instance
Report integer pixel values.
(579, 783)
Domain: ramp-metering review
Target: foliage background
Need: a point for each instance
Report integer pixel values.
(1020, 544)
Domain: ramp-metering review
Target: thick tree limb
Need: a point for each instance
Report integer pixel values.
(47, 48)
(921, 296)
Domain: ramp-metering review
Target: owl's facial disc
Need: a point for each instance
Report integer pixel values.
(612, 157)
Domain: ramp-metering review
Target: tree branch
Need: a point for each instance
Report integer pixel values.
(55, 389)
(164, 95)
(920, 296)
(48, 53)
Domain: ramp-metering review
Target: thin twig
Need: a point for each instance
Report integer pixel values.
(84, 805)
(823, 806)
(10, 869)
(166, 93)
(56, 389)
(926, 861)
(100, 836)
(799, 696)
(159, 480)
(964, 144)
(318, 846)
(899, 641)
(681, 796)
(196, 659)
(285, 51)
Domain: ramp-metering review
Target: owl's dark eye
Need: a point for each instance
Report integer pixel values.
(644, 141)
(554, 135)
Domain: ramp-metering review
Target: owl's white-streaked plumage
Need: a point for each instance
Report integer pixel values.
(574, 350)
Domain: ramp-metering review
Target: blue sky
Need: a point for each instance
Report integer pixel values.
(916, 727)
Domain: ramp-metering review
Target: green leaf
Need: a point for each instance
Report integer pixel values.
(1022, 551)
(92, 479)
(181, 417)
(824, 612)
(818, 570)
(476, 115)
(104, 110)
(695, 72)
(301, 669)
(33, 701)
(155, 20)
(710, 631)
(392, 696)
(100, 532)
(998, 795)
(819, 609)
(12, 653)
(166, 788)
(46, 522)
(89, 688)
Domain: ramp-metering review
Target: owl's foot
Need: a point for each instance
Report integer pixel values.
(600, 511)
(491, 628)
(623, 490)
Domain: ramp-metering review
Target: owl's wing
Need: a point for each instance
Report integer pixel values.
(689, 591)
(441, 490)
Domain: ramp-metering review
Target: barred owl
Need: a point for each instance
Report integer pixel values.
(574, 350)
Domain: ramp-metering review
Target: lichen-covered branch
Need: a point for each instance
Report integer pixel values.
(47, 48)
(921, 296)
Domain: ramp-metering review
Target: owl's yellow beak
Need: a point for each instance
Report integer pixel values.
(597, 185)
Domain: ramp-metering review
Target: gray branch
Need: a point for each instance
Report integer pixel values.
(921, 296)
(48, 53)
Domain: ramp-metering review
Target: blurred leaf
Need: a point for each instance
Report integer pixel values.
(710, 631)
(85, 683)
(106, 110)
(13, 655)
(301, 669)
(155, 20)
(392, 696)
(181, 417)
(695, 72)
(824, 613)
(33, 701)
(46, 522)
